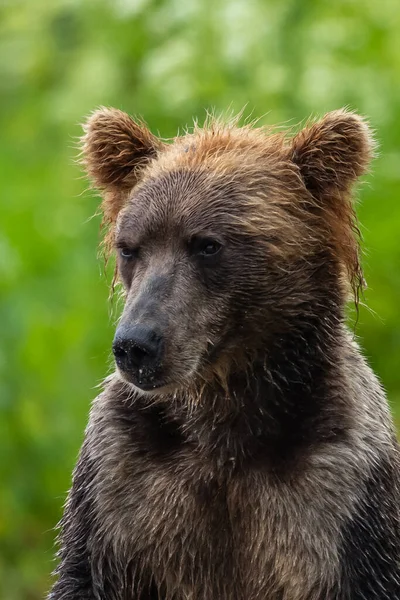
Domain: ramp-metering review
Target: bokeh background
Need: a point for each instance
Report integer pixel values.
(167, 60)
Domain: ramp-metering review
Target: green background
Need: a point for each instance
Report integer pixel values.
(167, 61)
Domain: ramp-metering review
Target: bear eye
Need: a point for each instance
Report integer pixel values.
(210, 248)
(128, 253)
(205, 247)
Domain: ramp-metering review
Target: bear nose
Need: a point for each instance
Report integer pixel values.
(136, 347)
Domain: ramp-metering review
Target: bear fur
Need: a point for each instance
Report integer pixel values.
(257, 460)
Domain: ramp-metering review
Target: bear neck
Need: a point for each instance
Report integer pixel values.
(289, 399)
(286, 400)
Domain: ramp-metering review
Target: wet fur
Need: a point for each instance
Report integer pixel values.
(271, 470)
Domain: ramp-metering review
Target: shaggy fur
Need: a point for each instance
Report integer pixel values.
(257, 460)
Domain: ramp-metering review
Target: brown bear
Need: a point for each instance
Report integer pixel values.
(243, 449)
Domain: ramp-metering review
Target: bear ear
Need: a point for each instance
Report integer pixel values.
(332, 153)
(115, 148)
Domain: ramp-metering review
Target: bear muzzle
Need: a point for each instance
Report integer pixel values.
(138, 350)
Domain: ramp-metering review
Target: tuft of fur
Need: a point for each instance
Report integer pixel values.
(264, 463)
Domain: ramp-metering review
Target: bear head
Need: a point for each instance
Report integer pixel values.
(226, 238)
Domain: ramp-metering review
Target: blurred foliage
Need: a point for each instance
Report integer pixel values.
(167, 61)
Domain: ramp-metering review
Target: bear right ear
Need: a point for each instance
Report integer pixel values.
(332, 153)
(115, 149)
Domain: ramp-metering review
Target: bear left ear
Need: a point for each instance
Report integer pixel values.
(334, 152)
(115, 149)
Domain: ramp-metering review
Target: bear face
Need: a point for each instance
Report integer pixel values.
(224, 238)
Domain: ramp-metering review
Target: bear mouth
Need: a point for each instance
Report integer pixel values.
(144, 381)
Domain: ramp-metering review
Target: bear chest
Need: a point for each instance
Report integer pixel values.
(206, 535)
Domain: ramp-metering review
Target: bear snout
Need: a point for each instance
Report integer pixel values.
(138, 351)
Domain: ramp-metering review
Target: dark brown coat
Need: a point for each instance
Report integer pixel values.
(256, 459)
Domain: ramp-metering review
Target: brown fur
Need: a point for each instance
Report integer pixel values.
(330, 155)
(257, 460)
(114, 149)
